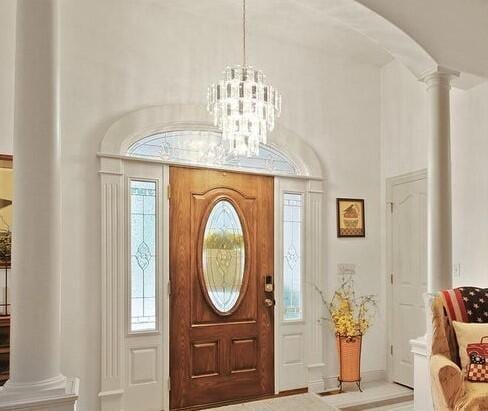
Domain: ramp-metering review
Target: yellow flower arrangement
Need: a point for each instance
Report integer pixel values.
(349, 315)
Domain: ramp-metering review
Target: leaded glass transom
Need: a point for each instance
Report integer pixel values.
(143, 255)
(204, 148)
(223, 256)
(292, 256)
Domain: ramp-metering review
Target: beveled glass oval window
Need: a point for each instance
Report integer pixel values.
(223, 256)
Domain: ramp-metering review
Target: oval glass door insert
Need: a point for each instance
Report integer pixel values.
(223, 256)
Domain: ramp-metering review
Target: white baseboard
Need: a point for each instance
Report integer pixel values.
(316, 386)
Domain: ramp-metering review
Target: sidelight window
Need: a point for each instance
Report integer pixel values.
(292, 256)
(143, 255)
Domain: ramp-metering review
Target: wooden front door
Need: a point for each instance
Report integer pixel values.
(221, 258)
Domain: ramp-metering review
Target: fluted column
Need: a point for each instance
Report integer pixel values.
(35, 370)
(439, 216)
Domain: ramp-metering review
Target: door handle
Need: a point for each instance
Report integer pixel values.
(268, 302)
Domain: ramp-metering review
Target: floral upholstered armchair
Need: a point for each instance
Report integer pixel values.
(450, 389)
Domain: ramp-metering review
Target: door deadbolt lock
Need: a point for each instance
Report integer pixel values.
(268, 284)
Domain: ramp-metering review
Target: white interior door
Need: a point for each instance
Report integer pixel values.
(409, 271)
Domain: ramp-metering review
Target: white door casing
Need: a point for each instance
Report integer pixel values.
(135, 367)
(407, 252)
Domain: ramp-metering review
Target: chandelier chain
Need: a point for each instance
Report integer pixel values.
(243, 105)
(244, 33)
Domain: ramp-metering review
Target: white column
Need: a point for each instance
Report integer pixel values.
(35, 371)
(439, 221)
(439, 217)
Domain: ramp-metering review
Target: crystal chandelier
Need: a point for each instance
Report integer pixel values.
(243, 106)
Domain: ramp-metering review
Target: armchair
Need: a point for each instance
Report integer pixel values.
(450, 391)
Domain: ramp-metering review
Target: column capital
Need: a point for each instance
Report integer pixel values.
(438, 75)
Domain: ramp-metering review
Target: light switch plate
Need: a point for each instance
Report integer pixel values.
(456, 271)
(346, 269)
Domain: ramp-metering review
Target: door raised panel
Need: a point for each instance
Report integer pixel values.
(205, 359)
(243, 354)
(143, 363)
(292, 349)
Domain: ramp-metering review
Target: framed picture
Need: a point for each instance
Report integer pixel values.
(5, 209)
(350, 218)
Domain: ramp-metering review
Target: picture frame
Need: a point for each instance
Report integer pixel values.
(351, 222)
(6, 192)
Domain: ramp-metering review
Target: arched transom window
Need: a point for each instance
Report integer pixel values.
(203, 148)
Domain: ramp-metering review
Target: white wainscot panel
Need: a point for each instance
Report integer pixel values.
(144, 377)
(292, 349)
(293, 362)
(143, 363)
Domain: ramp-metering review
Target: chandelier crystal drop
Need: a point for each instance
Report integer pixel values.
(243, 106)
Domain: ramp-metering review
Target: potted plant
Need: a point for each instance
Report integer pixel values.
(5, 257)
(5, 247)
(350, 316)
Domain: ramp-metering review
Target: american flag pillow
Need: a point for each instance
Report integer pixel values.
(466, 304)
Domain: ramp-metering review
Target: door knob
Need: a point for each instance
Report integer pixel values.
(268, 302)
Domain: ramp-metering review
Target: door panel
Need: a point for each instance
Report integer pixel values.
(221, 249)
(409, 259)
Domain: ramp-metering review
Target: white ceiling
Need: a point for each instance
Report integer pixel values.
(453, 32)
(294, 21)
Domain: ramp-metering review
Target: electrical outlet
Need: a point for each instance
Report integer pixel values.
(456, 271)
(346, 269)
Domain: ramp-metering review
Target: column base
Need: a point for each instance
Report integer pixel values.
(56, 394)
(421, 383)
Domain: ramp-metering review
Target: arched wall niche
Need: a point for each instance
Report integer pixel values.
(151, 120)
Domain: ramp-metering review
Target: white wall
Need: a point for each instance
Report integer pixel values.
(150, 55)
(7, 59)
(121, 55)
(404, 130)
(470, 184)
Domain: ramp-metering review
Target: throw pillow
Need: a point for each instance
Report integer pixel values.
(472, 334)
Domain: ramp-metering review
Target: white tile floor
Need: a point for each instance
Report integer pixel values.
(302, 402)
(372, 392)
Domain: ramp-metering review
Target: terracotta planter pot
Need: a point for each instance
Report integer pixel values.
(349, 351)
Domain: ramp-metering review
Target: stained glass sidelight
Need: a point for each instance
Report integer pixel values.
(292, 256)
(223, 256)
(143, 255)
